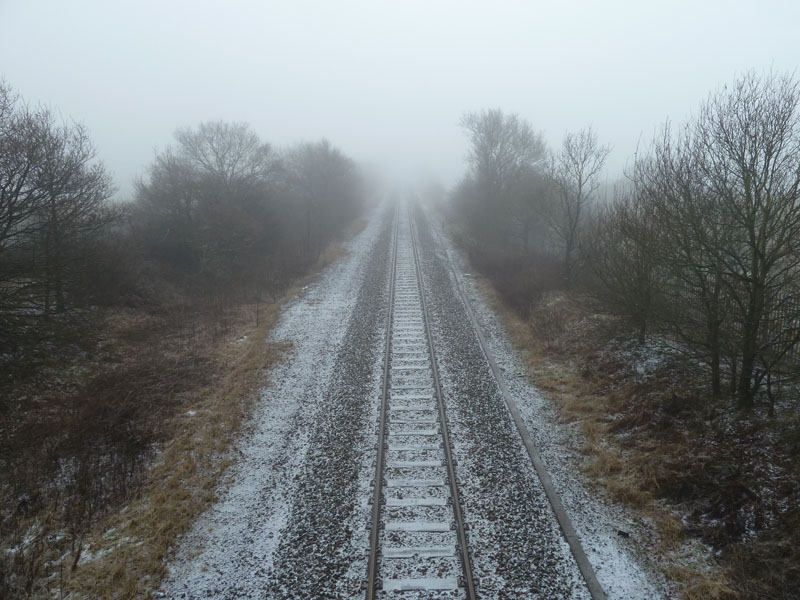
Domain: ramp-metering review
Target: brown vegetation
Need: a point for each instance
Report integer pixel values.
(124, 445)
(182, 481)
(656, 439)
(111, 427)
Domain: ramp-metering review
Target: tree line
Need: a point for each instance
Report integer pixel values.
(699, 241)
(220, 211)
(53, 206)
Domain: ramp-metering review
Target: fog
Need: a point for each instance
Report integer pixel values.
(385, 82)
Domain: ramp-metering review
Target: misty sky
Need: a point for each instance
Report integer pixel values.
(384, 81)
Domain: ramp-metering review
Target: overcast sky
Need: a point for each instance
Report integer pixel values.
(384, 81)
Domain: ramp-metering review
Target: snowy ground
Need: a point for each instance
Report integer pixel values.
(291, 523)
(230, 551)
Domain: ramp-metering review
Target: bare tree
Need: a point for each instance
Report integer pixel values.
(622, 255)
(208, 203)
(228, 213)
(229, 152)
(697, 311)
(575, 172)
(18, 156)
(530, 199)
(75, 191)
(329, 188)
(748, 144)
(167, 205)
(53, 205)
(20, 201)
(729, 210)
(503, 149)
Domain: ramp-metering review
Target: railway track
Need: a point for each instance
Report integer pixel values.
(418, 538)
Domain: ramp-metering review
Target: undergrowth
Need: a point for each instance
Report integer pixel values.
(111, 448)
(658, 442)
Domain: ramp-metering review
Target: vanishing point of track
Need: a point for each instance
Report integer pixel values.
(418, 540)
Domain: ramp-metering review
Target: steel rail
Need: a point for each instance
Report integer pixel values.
(466, 565)
(372, 581)
(374, 538)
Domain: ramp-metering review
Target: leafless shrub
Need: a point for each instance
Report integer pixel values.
(620, 251)
(575, 173)
(81, 456)
(548, 321)
(520, 279)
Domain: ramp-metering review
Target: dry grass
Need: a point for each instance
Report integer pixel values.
(176, 383)
(331, 253)
(629, 474)
(181, 484)
(701, 585)
(355, 228)
(134, 542)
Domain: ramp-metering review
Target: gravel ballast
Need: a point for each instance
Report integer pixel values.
(518, 550)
